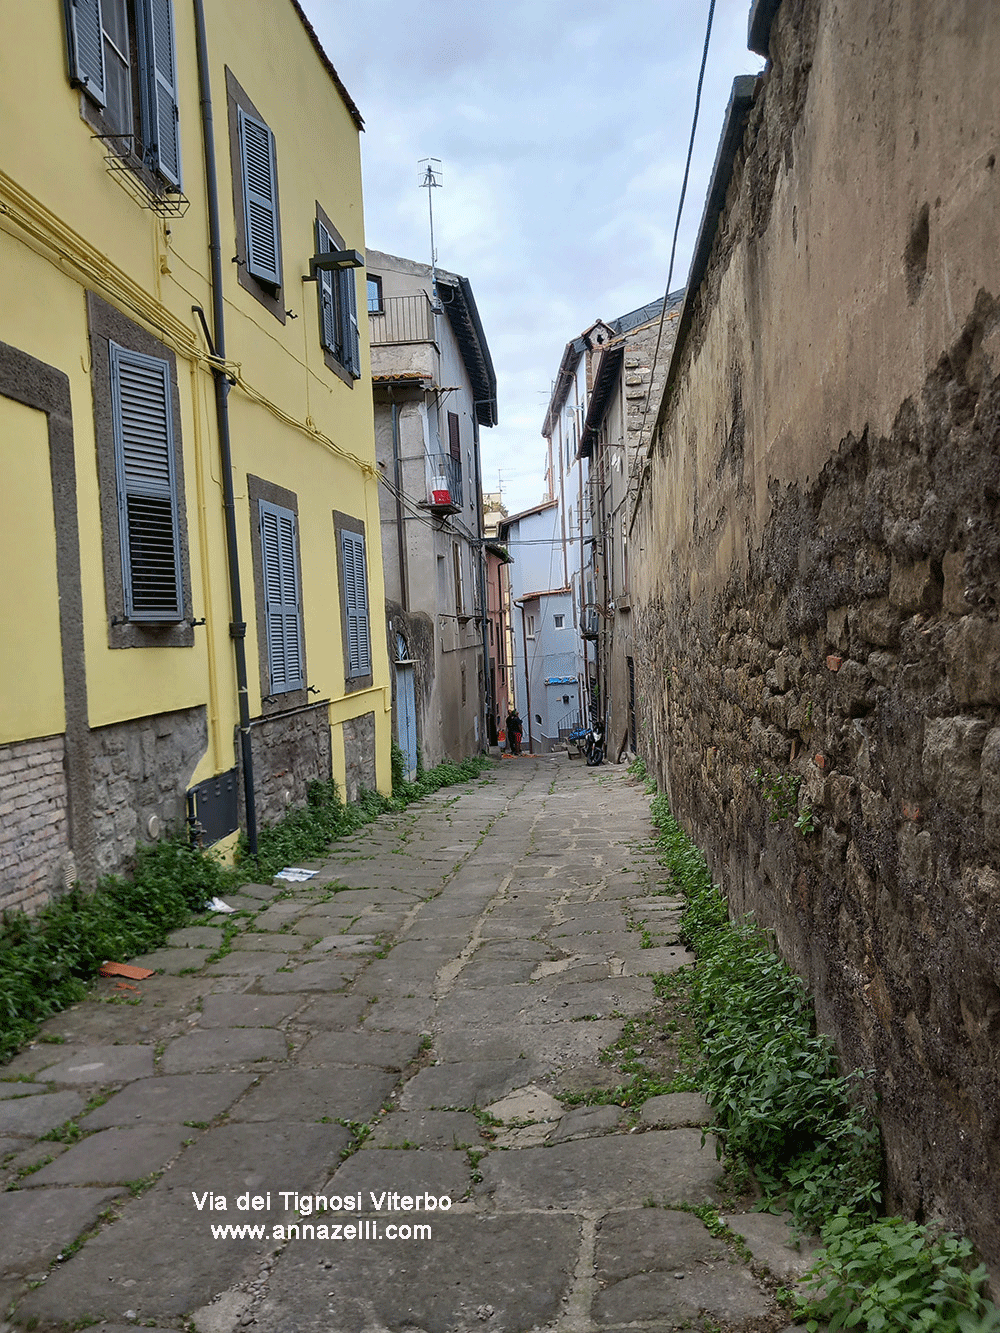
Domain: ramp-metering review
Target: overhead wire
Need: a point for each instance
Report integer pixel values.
(677, 225)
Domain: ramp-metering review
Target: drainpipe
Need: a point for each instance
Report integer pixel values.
(487, 703)
(237, 625)
(527, 683)
(397, 475)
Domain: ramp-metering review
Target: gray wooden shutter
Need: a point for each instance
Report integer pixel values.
(327, 293)
(162, 128)
(282, 609)
(142, 417)
(85, 32)
(359, 652)
(349, 334)
(260, 199)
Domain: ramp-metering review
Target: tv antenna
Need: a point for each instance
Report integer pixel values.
(430, 180)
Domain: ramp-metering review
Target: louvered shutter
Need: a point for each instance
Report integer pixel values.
(260, 199)
(278, 541)
(86, 46)
(142, 417)
(162, 129)
(349, 335)
(454, 437)
(359, 652)
(327, 293)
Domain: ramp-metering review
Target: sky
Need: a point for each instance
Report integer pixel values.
(562, 131)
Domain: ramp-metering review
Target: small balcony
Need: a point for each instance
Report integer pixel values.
(402, 319)
(445, 496)
(590, 623)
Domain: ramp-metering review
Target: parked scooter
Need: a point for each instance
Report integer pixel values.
(593, 746)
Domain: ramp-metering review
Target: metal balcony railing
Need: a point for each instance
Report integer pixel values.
(402, 319)
(446, 480)
(590, 623)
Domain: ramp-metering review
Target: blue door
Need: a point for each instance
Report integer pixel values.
(406, 716)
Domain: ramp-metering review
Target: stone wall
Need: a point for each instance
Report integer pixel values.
(817, 608)
(141, 771)
(33, 823)
(289, 753)
(359, 755)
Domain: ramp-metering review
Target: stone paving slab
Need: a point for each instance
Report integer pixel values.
(384, 1050)
(675, 1109)
(37, 1115)
(247, 1011)
(326, 976)
(304, 1095)
(14, 1091)
(668, 1166)
(472, 1083)
(115, 1156)
(330, 1013)
(171, 961)
(550, 1045)
(36, 1225)
(196, 937)
(665, 960)
(103, 1064)
(254, 963)
(170, 1099)
(426, 1129)
(505, 1273)
(221, 1048)
(437, 1172)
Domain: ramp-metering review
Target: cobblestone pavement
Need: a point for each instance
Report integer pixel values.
(391, 1037)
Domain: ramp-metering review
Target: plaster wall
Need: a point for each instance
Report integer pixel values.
(821, 580)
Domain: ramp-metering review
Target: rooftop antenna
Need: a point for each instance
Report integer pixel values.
(430, 180)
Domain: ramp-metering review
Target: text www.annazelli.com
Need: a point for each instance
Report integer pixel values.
(365, 1229)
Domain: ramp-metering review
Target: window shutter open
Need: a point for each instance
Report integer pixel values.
(260, 199)
(327, 294)
(350, 336)
(278, 541)
(163, 129)
(85, 30)
(359, 653)
(454, 437)
(142, 415)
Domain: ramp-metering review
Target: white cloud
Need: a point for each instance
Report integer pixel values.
(562, 134)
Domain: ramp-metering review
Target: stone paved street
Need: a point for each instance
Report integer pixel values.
(426, 1000)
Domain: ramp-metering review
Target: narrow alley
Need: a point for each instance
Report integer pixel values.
(399, 1042)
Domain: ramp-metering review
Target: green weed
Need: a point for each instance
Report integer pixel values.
(896, 1275)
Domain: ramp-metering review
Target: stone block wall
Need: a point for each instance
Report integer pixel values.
(289, 753)
(33, 822)
(359, 755)
(141, 769)
(818, 609)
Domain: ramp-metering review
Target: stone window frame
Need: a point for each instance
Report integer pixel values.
(107, 325)
(259, 489)
(345, 522)
(271, 298)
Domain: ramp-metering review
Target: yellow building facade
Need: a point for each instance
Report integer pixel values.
(189, 520)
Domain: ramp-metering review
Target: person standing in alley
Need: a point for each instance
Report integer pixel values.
(514, 729)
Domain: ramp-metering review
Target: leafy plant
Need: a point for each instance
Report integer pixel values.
(896, 1275)
(806, 821)
(781, 792)
(781, 1105)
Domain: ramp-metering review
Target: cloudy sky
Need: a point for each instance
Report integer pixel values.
(562, 130)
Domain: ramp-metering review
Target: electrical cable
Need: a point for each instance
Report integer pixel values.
(677, 224)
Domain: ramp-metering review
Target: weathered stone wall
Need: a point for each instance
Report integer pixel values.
(290, 752)
(33, 825)
(141, 769)
(820, 591)
(359, 755)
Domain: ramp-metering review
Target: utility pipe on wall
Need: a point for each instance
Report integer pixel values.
(237, 626)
